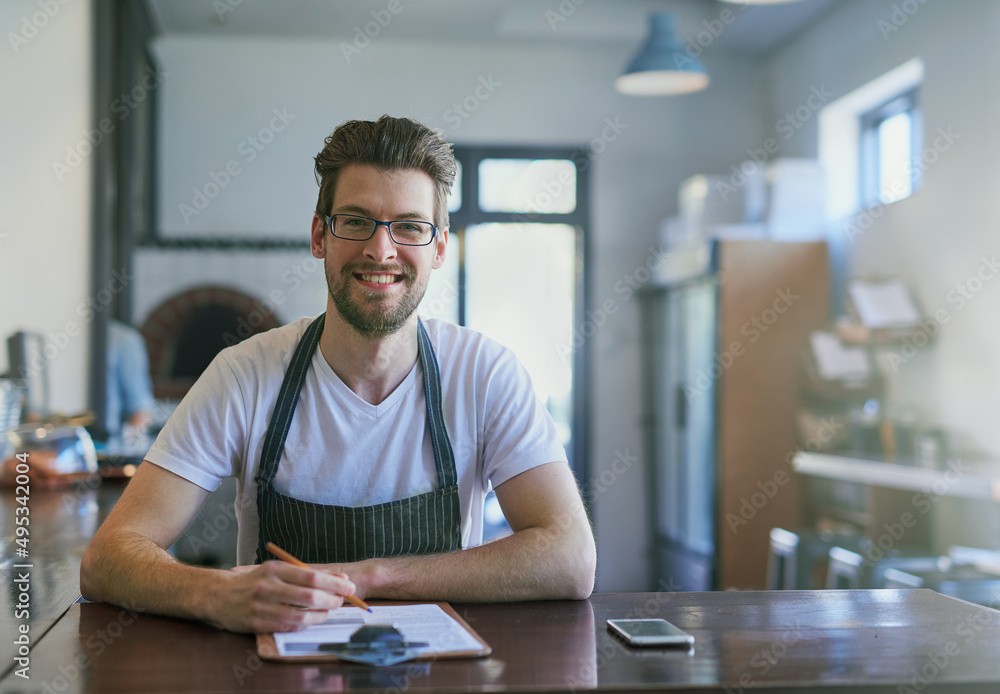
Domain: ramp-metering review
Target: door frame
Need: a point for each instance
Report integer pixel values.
(469, 213)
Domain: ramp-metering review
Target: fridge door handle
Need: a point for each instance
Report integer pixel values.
(680, 408)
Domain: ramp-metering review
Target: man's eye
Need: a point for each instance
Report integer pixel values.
(355, 222)
(407, 227)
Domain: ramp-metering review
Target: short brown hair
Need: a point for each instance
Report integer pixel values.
(388, 143)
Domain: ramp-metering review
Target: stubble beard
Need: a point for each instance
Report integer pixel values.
(371, 317)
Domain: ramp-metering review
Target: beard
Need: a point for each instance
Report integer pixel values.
(372, 316)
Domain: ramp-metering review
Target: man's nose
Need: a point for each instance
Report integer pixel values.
(380, 247)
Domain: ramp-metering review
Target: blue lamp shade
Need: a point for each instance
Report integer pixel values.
(663, 65)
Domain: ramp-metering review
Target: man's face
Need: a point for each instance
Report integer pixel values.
(375, 285)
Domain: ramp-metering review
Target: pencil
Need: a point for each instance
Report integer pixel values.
(285, 556)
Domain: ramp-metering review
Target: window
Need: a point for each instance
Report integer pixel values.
(870, 142)
(520, 213)
(889, 138)
(515, 271)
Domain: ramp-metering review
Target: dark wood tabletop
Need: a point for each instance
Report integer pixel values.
(61, 524)
(788, 641)
(898, 642)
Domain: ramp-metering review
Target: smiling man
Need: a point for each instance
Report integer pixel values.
(363, 441)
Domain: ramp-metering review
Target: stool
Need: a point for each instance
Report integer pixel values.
(781, 560)
(852, 569)
(962, 582)
(794, 555)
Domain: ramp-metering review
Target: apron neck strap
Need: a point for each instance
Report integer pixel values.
(295, 376)
(444, 456)
(288, 396)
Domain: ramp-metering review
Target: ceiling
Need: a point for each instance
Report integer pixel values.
(756, 31)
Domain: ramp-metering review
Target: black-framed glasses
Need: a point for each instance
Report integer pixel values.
(405, 232)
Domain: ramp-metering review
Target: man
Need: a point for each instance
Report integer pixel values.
(363, 441)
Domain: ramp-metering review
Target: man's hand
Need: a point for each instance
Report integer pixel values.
(276, 596)
(358, 571)
(127, 563)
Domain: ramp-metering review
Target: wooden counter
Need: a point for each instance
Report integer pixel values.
(61, 524)
(779, 641)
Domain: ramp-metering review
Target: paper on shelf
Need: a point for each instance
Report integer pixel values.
(427, 623)
(835, 361)
(883, 304)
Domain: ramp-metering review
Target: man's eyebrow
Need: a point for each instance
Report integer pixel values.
(357, 209)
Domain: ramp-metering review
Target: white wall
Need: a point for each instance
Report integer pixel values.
(46, 82)
(936, 239)
(219, 92)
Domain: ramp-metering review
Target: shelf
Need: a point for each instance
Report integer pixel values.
(977, 480)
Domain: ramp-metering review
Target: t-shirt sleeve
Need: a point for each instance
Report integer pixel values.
(518, 432)
(204, 440)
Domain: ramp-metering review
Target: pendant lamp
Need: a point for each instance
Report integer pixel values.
(663, 65)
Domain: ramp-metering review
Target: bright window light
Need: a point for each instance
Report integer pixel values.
(895, 156)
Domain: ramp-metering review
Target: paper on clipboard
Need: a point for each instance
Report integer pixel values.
(443, 631)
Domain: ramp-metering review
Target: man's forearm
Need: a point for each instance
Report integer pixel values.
(132, 571)
(127, 564)
(274, 596)
(532, 564)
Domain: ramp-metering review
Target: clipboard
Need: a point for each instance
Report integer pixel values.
(267, 648)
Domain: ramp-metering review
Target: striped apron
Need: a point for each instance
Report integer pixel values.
(321, 534)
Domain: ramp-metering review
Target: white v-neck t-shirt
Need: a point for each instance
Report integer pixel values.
(344, 451)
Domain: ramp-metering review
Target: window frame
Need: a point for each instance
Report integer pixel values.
(469, 213)
(870, 192)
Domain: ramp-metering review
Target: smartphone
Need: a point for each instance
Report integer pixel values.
(650, 632)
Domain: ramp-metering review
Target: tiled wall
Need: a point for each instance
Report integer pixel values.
(288, 283)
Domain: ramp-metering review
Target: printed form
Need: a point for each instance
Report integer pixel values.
(417, 623)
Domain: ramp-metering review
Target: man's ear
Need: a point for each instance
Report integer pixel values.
(440, 246)
(317, 236)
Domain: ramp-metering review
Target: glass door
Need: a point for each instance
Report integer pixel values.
(515, 272)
